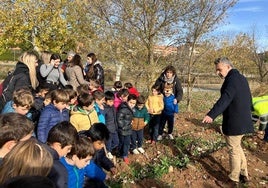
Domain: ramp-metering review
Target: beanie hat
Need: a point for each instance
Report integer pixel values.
(70, 53)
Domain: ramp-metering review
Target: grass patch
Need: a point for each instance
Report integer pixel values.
(10, 55)
(201, 101)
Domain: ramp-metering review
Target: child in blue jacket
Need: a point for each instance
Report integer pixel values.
(170, 108)
(79, 164)
(53, 113)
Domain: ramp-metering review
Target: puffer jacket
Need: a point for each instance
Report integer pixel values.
(124, 119)
(169, 107)
(49, 117)
(82, 119)
(110, 118)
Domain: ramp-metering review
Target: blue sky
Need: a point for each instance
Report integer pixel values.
(247, 14)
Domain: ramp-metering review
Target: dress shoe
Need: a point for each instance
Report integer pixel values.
(243, 179)
(227, 184)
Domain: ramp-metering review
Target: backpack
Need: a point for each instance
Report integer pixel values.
(4, 85)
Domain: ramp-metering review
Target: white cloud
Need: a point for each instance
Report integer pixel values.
(249, 9)
(251, 1)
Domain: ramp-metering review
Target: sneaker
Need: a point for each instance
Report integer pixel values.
(135, 151)
(170, 137)
(159, 137)
(110, 156)
(141, 150)
(126, 160)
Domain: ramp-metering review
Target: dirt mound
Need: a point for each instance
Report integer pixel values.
(197, 157)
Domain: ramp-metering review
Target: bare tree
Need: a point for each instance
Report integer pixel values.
(204, 18)
(136, 27)
(260, 59)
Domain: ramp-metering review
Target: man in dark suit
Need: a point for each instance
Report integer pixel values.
(235, 106)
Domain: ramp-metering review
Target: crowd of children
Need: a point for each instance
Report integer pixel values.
(103, 131)
(65, 133)
(81, 130)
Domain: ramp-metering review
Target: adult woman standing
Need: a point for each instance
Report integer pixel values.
(169, 76)
(94, 70)
(52, 72)
(24, 76)
(74, 72)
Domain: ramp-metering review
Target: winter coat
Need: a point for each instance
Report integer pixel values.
(117, 101)
(9, 108)
(140, 119)
(76, 176)
(98, 72)
(82, 119)
(133, 91)
(235, 105)
(169, 107)
(124, 119)
(20, 79)
(100, 113)
(50, 116)
(110, 118)
(75, 76)
(177, 88)
(156, 103)
(58, 173)
(102, 161)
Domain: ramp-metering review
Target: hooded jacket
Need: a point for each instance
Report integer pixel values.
(110, 118)
(82, 119)
(124, 119)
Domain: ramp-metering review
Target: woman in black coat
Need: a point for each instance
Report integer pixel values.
(24, 76)
(169, 76)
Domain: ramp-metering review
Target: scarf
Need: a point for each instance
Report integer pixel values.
(170, 80)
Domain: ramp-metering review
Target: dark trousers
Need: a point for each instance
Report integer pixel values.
(137, 136)
(154, 126)
(124, 144)
(266, 133)
(112, 142)
(170, 121)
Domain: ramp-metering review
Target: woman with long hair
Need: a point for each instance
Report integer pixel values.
(94, 70)
(24, 76)
(26, 158)
(74, 72)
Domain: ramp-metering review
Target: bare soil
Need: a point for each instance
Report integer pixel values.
(201, 171)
